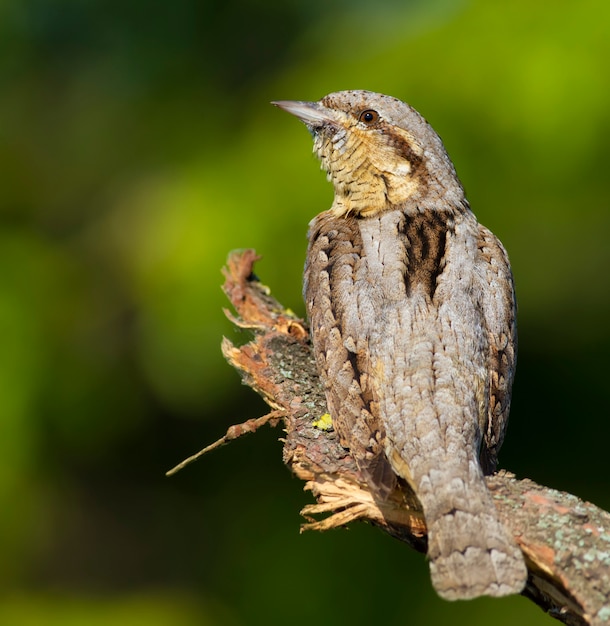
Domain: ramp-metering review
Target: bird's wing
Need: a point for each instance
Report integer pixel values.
(341, 350)
(499, 311)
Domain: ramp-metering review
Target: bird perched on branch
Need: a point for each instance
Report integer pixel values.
(412, 313)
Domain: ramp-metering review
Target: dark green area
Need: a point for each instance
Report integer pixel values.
(137, 147)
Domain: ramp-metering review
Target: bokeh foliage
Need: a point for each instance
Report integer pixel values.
(138, 147)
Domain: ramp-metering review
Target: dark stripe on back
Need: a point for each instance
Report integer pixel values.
(424, 236)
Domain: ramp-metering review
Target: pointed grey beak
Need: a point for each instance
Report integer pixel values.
(311, 113)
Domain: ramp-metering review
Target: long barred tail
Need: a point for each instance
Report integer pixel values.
(471, 553)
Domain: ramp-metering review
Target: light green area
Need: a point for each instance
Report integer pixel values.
(152, 609)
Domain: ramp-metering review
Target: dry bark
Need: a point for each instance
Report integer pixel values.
(566, 542)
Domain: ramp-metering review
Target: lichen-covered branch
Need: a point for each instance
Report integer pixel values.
(566, 541)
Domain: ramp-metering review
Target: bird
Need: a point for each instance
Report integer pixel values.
(412, 311)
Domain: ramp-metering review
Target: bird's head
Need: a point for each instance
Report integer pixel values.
(378, 152)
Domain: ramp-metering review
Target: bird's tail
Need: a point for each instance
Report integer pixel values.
(471, 553)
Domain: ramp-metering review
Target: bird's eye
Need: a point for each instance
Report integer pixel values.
(369, 116)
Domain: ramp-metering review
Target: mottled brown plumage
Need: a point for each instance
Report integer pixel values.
(412, 313)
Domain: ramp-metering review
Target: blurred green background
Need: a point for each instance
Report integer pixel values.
(137, 148)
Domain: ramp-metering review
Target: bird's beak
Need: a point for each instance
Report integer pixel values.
(311, 113)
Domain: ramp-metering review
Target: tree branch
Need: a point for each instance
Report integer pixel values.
(566, 542)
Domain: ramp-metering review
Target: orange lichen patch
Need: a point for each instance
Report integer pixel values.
(594, 530)
(540, 500)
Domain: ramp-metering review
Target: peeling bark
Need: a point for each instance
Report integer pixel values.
(566, 541)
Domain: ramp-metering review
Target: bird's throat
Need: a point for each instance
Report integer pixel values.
(368, 177)
(370, 192)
